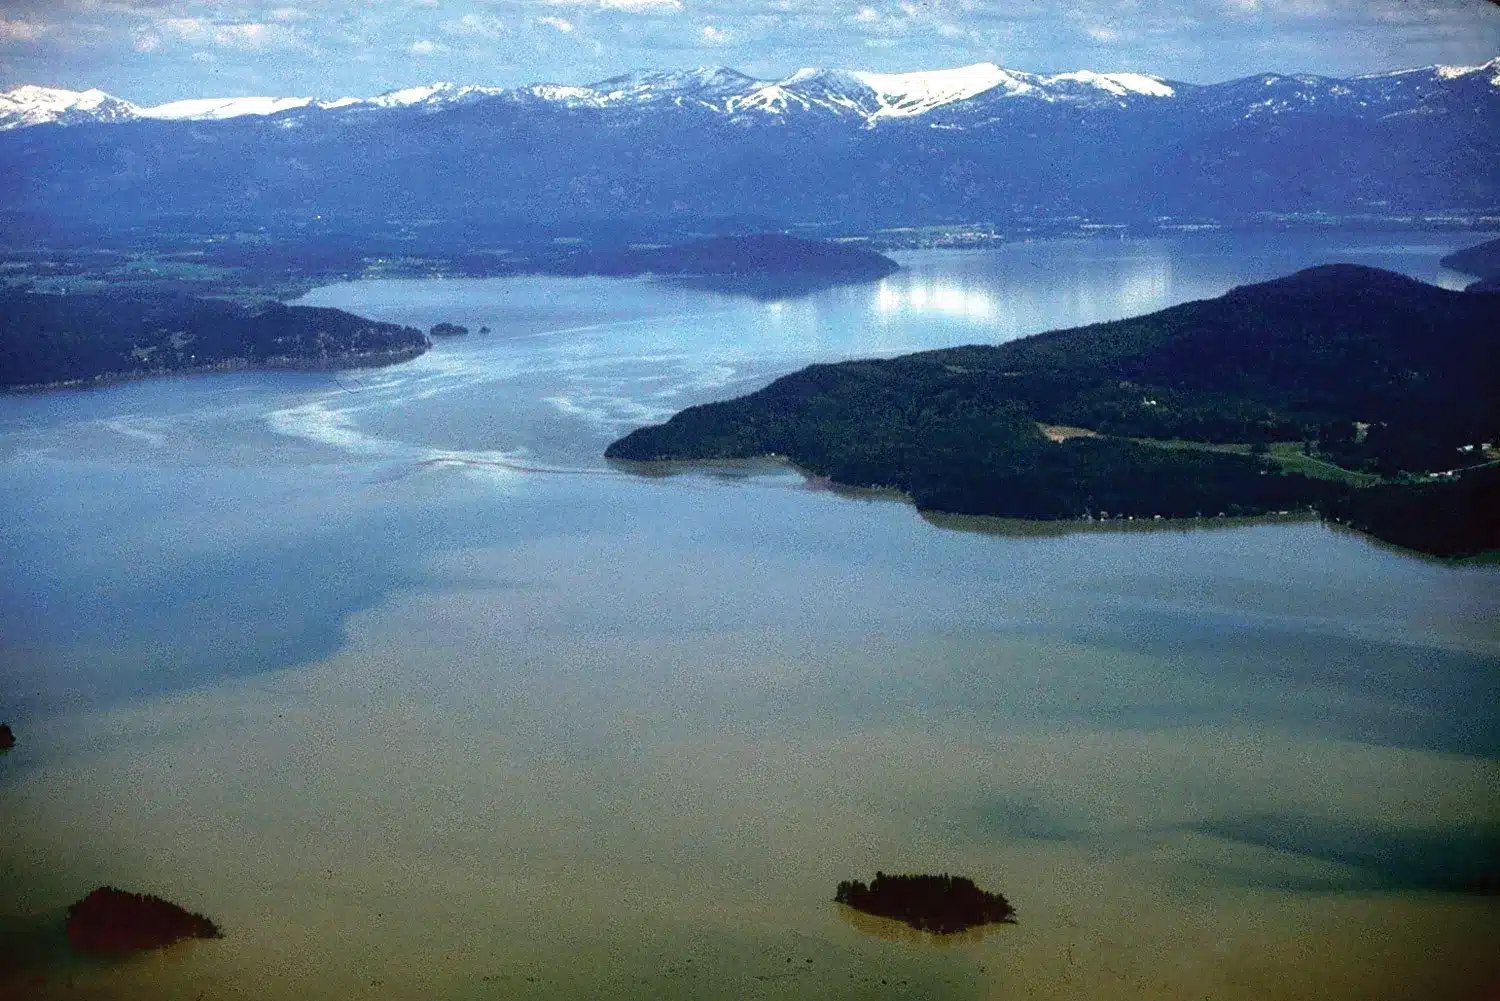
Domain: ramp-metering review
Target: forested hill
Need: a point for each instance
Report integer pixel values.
(48, 340)
(1271, 361)
(1274, 396)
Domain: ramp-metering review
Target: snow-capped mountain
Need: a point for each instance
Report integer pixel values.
(215, 108)
(32, 105)
(710, 87)
(866, 98)
(437, 95)
(854, 148)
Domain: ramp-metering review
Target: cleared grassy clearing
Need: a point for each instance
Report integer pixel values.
(1286, 454)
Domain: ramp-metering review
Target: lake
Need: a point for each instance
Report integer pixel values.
(391, 674)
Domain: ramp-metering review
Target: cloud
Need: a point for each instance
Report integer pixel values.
(627, 6)
(142, 47)
(247, 35)
(22, 31)
(476, 26)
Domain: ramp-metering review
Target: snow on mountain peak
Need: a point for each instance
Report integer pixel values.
(432, 95)
(33, 105)
(1453, 72)
(864, 97)
(217, 108)
(902, 95)
(713, 86)
(54, 99)
(1118, 84)
(561, 94)
(408, 96)
(834, 91)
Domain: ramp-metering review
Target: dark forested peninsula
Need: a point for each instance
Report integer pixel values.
(56, 340)
(1482, 261)
(1291, 394)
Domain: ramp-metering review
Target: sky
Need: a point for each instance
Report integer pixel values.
(151, 51)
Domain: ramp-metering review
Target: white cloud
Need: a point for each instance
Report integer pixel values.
(190, 29)
(503, 41)
(630, 6)
(22, 31)
(249, 35)
(476, 26)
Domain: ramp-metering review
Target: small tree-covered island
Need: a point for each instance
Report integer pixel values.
(1369, 397)
(942, 904)
(78, 339)
(111, 920)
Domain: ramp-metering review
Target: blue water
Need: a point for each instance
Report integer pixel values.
(406, 626)
(169, 532)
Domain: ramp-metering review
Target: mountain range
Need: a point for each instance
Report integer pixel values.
(686, 148)
(967, 92)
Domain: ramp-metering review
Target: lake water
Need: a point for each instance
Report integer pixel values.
(392, 675)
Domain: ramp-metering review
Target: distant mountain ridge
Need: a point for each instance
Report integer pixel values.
(669, 156)
(853, 94)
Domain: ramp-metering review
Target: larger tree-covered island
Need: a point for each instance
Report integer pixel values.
(1366, 395)
(60, 340)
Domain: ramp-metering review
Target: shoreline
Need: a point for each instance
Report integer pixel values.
(991, 524)
(445, 262)
(341, 363)
(667, 468)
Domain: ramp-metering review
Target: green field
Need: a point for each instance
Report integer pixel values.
(1286, 454)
